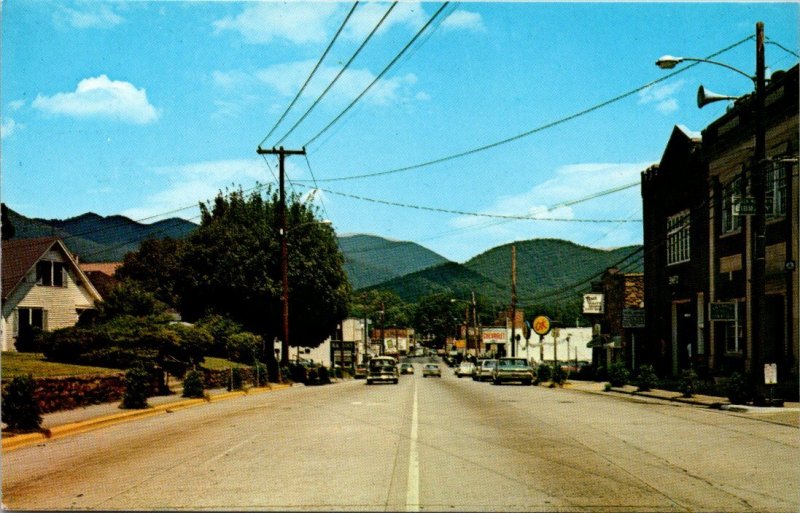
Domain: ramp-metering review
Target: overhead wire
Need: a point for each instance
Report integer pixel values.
(313, 71)
(341, 72)
(380, 75)
(535, 130)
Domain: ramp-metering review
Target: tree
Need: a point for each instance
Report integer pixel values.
(368, 303)
(156, 267)
(436, 315)
(129, 298)
(231, 267)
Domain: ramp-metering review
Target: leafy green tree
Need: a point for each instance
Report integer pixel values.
(131, 299)
(368, 303)
(156, 267)
(231, 267)
(437, 316)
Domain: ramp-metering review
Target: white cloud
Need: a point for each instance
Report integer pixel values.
(662, 95)
(287, 79)
(88, 16)
(187, 185)
(555, 199)
(367, 16)
(298, 23)
(8, 128)
(464, 20)
(16, 105)
(101, 97)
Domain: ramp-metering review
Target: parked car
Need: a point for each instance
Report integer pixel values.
(512, 369)
(406, 368)
(484, 370)
(465, 369)
(361, 371)
(383, 369)
(431, 369)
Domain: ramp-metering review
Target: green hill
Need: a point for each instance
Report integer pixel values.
(370, 260)
(544, 267)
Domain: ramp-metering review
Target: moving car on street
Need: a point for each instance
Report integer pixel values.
(431, 369)
(383, 369)
(484, 370)
(406, 368)
(512, 369)
(465, 369)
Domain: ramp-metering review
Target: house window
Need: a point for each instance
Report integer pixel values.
(50, 274)
(775, 190)
(734, 331)
(731, 190)
(678, 228)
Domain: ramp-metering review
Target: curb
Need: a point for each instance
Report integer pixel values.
(74, 428)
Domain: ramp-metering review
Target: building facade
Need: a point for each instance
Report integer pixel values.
(699, 243)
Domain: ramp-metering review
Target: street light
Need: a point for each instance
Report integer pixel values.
(759, 219)
(284, 233)
(474, 323)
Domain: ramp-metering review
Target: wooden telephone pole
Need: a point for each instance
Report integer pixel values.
(284, 248)
(513, 300)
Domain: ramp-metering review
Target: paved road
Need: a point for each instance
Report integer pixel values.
(426, 444)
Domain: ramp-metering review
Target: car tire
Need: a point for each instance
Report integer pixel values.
(496, 381)
(527, 382)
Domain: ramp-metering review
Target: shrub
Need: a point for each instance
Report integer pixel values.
(260, 376)
(618, 375)
(193, 384)
(647, 379)
(20, 409)
(236, 379)
(243, 347)
(543, 373)
(559, 376)
(688, 382)
(737, 388)
(137, 388)
(324, 376)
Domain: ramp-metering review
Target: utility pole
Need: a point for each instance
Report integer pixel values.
(475, 336)
(513, 299)
(762, 349)
(281, 152)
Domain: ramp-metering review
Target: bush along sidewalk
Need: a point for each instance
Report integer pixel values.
(647, 379)
(618, 375)
(137, 388)
(20, 409)
(688, 382)
(193, 385)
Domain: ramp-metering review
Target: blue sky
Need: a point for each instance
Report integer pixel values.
(143, 108)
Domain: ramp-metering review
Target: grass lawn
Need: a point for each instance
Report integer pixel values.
(14, 364)
(213, 363)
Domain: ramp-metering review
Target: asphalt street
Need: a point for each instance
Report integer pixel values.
(427, 444)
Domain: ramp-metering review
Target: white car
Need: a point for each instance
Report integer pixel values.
(465, 369)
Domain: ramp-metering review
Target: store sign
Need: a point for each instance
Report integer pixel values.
(770, 373)
(593, 303)
(744, 206)
(722, 311)
(541, 325)
(633, 318)
(494, 335)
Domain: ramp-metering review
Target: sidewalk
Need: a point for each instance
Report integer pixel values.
(788, 415)
(69, 422)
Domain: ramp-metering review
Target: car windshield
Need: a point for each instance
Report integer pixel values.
(431, 366)
(488, 365)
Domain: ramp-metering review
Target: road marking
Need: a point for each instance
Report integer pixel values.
(412, 493)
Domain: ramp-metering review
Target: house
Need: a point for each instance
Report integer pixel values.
(396, 341)
(42, 287)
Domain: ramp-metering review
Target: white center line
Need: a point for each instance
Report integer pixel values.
(412, 494)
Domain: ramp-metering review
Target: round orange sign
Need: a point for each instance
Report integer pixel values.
(541, 325)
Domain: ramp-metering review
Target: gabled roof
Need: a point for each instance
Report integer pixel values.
(19, 256)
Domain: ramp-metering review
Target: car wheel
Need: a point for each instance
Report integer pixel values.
(527, 382)
(496, 381)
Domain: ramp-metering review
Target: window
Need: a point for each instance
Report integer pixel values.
(730, 191)
(678, 241)
(50, 274)
(734, 331)
(775, 190)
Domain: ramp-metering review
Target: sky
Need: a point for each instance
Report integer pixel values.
(494, 112)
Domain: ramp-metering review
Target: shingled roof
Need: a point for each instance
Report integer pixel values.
(19, 256)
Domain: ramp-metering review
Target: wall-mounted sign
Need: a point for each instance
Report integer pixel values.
(633, 318)
(722, 311)
(744, 206)
(594, 304)
(770, 373)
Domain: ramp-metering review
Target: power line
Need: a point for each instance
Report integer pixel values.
(380, 75)
(341, 72)
(495, 216)
(313, 71)
(541, 128)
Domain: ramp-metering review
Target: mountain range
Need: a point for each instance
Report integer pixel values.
(544, 267)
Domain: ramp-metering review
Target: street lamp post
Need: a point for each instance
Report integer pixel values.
(758, 283)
